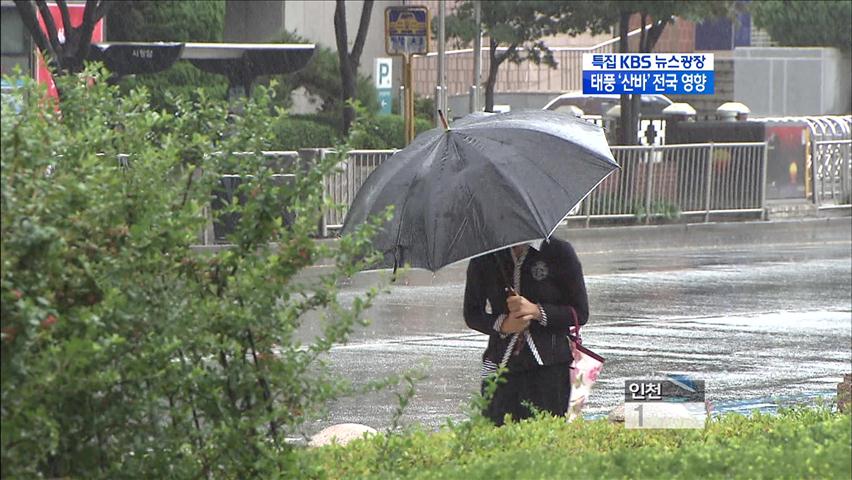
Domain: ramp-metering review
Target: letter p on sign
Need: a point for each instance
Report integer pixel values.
(384, 70)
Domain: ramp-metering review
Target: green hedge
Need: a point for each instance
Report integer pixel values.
(384, 132)
(798, 443)
(295, 133)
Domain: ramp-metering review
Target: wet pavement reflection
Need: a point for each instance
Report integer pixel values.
(757, 324)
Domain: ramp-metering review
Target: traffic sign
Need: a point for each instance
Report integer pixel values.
(384, 72)
(407, 30)
(385, 101)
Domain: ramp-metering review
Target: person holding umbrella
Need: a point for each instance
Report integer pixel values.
(527, 324)
(481, 190)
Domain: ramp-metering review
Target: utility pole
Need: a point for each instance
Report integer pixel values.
(477, 57)
(441, 88)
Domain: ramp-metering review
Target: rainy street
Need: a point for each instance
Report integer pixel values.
(761, 324)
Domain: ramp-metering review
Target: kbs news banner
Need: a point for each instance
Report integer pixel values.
(648, 73)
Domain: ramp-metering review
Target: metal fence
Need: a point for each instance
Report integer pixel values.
(832, 162)
(342, 186)
(654, 181)
(671, 180)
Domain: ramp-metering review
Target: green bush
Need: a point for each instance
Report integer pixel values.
(798, 443)
(384, 132)
(125, 353)
(295, 133)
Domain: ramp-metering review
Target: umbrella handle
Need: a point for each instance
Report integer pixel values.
(443, 120)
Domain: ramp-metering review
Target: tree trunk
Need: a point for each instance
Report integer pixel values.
(62, 58)
(349, 62)
(491, 81)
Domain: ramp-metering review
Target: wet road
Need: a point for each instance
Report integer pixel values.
(757, 323)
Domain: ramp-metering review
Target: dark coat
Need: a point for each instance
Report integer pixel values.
(551, 277)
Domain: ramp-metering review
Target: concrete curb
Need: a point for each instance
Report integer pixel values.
(701, 235)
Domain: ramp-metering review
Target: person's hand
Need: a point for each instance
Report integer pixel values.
(514, 324)
(521, 307)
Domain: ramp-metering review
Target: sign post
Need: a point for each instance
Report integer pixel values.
(384, 77)
(407, 34)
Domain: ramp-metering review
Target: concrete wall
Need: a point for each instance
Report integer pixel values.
(793, 81)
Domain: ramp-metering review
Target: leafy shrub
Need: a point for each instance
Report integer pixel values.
(295, 133)
(125, 353)
(798, 443)
(384, 132)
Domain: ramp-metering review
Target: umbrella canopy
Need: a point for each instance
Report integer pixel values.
(488, 182)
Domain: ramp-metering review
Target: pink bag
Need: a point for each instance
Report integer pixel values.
(585, 369)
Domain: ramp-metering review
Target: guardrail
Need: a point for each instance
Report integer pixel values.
(654, 181)
(673, 180)
(832, 163)
(342, 187)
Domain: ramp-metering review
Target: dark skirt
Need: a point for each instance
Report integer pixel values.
(546, 388)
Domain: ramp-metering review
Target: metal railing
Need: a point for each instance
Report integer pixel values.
(673, 180)
(654, 181)
(342, 186)
(524, 77)
(832, 162)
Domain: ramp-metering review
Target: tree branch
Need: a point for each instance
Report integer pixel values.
(103, 9)
(66, 17)
(508, 53)
(30, 20)
(654, 34)
(50, 26)
(340, 34)
(360, 38)
(90, 19)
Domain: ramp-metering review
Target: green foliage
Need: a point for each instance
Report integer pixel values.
(524, 24)
(295, 133)
(806, 24)
(798, 443)
(380, 132)
(424, 108)
(176, 21)
(125, 352)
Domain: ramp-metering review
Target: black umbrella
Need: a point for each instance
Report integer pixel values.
(488, 182)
